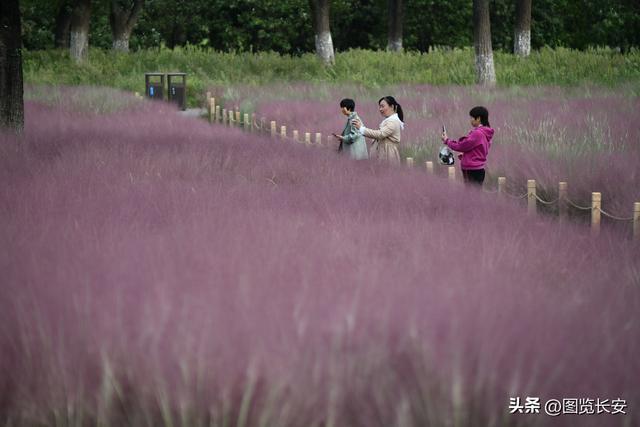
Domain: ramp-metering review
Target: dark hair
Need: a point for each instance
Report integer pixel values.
(393, 104)
(481, 112)
(349, 104)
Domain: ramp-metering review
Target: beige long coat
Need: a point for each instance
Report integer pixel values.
(386, 139)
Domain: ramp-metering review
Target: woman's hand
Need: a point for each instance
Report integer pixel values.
(444, 136)
(340, 137)
(357, 123)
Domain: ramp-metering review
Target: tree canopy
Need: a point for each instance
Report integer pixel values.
(285, 26)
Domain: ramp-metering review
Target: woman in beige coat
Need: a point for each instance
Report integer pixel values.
(387, 137)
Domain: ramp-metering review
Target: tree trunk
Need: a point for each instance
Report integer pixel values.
(63, 22)
(79, 30)
(485, 71)
(122, 20)
(522, 32)
(11, 89)
(324, 43)
(394, 43)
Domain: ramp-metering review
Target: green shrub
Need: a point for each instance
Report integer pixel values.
(206, 68)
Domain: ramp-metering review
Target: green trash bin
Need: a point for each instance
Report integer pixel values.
(154, 85)
(177, 84)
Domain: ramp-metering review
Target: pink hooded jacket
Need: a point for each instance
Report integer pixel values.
(474, 147)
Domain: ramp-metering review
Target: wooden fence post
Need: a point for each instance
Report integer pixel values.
(217, 114)
(263, 120)
(231, 118)
(562, 201)
(452, 173)
(296, 135)
(247, 125)
(273, 128)
(318, 139)
(531, 197)
(429, 166)
(410, 162)
(502, 185)
(307, 138)
(636, 221)
(237, 118)
(253, 122)
(596, 204)
(283, 132)
(212, 110)
(224, 116)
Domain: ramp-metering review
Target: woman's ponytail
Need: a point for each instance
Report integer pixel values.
(391, 101)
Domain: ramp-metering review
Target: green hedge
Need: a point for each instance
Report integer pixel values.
(207, 68)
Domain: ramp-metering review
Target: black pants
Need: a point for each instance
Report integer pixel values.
(475, 177)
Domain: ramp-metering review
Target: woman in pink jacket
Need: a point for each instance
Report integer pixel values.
(474, 147)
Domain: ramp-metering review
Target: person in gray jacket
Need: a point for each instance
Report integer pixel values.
(352, 142)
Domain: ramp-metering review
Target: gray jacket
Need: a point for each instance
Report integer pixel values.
(353, 143)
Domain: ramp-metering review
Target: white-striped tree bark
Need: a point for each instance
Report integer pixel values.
(522, 30)
(485, 69)
(321, 26)
(123, 20)
(394, 42)
(79, 30)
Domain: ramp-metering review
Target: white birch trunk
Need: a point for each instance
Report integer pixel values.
(324, 47)
(121, 44)
(522, 43)
(395, 45)
(79, 45)
(485, 70)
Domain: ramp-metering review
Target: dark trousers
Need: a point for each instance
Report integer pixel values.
(474, 177)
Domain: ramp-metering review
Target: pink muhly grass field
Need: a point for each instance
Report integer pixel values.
(584, 136)
(157, 270)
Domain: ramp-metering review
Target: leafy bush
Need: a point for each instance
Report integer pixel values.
(372, 69)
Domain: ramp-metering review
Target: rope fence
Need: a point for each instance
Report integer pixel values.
(248, 122)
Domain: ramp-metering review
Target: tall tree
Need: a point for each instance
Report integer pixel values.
(394, 43)
(11, 89)
(485, 70)
(63, 23)
(321, 27)
(522, 31)
(123, 17)
(79, 30)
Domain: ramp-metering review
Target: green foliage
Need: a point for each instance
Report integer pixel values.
(207, 68)
(284, 26)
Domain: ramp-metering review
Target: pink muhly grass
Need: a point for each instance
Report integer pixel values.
(158, 270)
